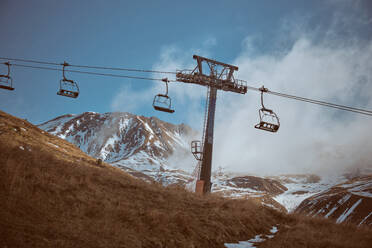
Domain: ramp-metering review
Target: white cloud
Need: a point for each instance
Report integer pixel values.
(210, 42)
(130, 100)
(311, 138)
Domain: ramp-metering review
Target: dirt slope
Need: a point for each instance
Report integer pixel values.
(54, 195)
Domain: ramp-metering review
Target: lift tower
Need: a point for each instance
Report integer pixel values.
(220, 78)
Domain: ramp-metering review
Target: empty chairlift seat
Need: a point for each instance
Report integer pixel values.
(6, 82)
(269, 121)
(162, 102)
(196, 149)
(67, 87)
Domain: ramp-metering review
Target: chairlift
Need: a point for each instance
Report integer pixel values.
(67, 87)
(269, 121)
(162, 102)
(6, 82)
(196, 149)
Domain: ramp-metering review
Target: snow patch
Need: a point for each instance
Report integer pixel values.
(53, 145)
(331, 212)
(291, 201)
(347, 212)
(274, 230)
(252, 242)
(344, 199)
(365, 219)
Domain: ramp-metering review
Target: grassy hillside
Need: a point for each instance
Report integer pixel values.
(54, 195)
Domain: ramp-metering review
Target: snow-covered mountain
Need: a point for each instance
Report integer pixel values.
(149, 145)
(350, 201)
(283, 192)
(302, 186)
(155, 150)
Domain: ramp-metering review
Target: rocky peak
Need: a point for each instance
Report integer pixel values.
(119, 135)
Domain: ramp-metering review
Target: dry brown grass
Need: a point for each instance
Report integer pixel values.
(301, 231)
(59, 197)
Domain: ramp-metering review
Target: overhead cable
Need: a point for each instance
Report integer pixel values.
(87, 66)
(322, 103)
(90, 73)
(298, 98)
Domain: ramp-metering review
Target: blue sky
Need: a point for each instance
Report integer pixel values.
(316, 49)
(131, 34)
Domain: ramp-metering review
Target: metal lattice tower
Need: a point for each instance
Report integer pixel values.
(220, 78)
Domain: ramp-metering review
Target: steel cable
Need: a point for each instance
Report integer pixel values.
(87, 66)
(298, 98)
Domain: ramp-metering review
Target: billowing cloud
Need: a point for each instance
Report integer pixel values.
(129, 100)
(311, 138)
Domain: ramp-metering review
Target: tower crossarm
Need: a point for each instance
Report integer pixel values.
(220, 77)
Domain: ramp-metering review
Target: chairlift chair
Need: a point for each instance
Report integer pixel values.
(269, 121)
(162, 102)
(68, 87)
(6, 82)
(196, 149)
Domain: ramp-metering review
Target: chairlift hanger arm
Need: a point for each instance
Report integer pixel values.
(63, 70)
(8, 64)
(165, 80)
(263, 89)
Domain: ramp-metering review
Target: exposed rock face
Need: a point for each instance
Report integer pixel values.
(346, 202)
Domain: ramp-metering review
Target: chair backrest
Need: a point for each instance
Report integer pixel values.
(6, 82)
(163, 103)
